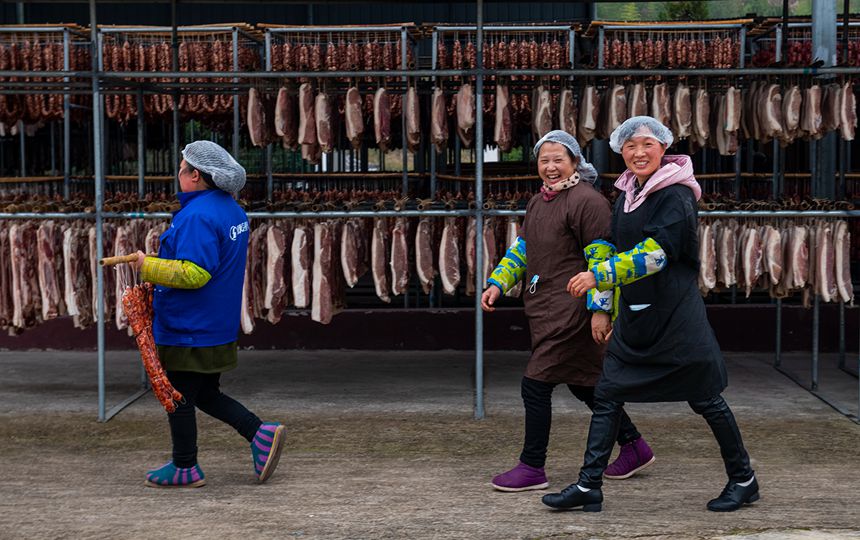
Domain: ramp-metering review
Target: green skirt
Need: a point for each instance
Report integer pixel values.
(216, 359)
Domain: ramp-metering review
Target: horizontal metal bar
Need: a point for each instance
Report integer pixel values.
(728, 72)
(36, 29)
(336, 29)
(165, 29)
(363, 214)
(782, 213)
(47, 215)
(506, 28)
(651, 27)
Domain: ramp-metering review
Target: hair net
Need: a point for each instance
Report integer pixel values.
(586, 170)
(210, 158)
(640, 126)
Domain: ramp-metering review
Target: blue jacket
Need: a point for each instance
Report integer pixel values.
(211, 230)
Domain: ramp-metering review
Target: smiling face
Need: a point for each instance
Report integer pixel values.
(554, 163)
(643, 156)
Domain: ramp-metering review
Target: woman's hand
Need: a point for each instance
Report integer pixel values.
(137, 264)
(581, 283)
(489, 298)
(601, 327)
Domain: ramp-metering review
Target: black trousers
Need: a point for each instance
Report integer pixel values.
(607, 417)
(202, 391)
(537, 399)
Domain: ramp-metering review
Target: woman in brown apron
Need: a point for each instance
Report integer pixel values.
(568, 334)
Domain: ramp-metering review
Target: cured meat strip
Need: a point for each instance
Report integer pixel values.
(354, 117)
(727, 253)
(682, 113)
(255, 119)
(847, 112)
(799, 254)
(543, 113)
(379, 258)
(399, 256)
(471, 258)
(465, 102)
(307, 120)
(413, 120)
(503, 130)
(424, 254)
(301, 257)
(439, 121)
(449, 257)
(6, 307)
(773, 254)
(567, 112)
(286, 123)
(258, 269)
(323, 117)
(49, 268)
(322, 304)
(246, 314)
(842, 251)
(588, 115)
(276, 296)
(707, 257)
(382, 119)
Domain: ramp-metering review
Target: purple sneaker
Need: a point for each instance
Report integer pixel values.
(634, 457)
(169, 475)
(521, 478)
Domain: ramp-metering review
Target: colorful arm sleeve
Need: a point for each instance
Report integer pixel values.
(511, 268)
(596, 253)
(646, 258)
(174, 273)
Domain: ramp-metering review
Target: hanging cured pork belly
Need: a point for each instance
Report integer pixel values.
(637, 100)
(751, 255)
(323, 117)
(791, 105)
(354, 117)
(810, 116)
(424, 254)
(49, 268)
(307, 121)
(6, 307)
(277, 285)
(503, 131)
(825, 256)
(727, 253)
(301, 259)
(246, 316)
(353, 250)
(616, 108)
(830, 106)
(542, 113)
(439, 121)
(379, 258)
(399, 256)
(847, 112)
(707, 257)
(123, 244)
(109, 277)
(449, 256)
(772, 254)
(512, 231)
(323, 305)
(312, 152)
(682, 112)
(489, 254)
(772, 112)
(413, 120)
(660, 104)
(566, 112)
(588, 115)
(465, 101)
(257, 241)
(256, 119)
(286, 123)
(701, 114)
(471, 246)
(382, 119)
(842, 249)
(799, 253)
(719, 135)
(734, 108)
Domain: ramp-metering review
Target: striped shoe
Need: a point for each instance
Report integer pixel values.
(266, 449)
(169, 476)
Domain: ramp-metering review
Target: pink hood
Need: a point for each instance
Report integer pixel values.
(673, 170)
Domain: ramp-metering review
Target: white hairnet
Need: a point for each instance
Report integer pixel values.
(640, 126)
(587, 172)
(210, 158)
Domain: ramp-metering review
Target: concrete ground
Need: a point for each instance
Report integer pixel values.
(383, 445)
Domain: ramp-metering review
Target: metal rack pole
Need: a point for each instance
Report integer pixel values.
(67, 121)
(268, 164)
(236, 96)
(815, 337)
(404, 188)
(174, 38)
(141, 145)
(777, 361)
(432, 153)
(479, 218)
(99, 202)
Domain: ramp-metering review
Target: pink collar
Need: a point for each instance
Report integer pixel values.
(673, 170)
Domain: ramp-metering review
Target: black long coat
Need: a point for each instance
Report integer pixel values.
(667, 351)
